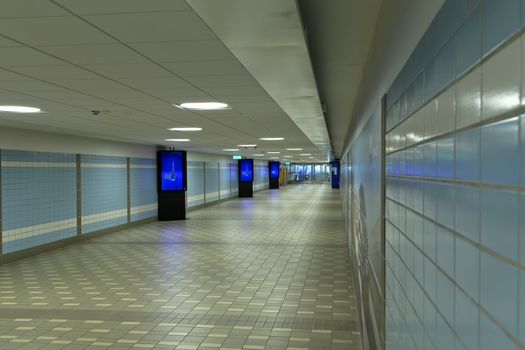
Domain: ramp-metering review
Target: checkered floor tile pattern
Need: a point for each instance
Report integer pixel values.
(272, 272)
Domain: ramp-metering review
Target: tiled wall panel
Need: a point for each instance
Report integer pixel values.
(143, 188)
(224, 180)
(212, 181)
(38, 198)
(195, 193)
(261, 179)
(464, 149)
(234, 181)
(104, 192)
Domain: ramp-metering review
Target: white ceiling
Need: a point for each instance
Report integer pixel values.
(268, 39)
(132, 59)
(340, 34)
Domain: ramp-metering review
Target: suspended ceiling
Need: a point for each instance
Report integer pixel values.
(131, 60)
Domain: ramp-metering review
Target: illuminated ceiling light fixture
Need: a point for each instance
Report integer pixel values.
(273, 152)
(185, 129)
(203, 106)
(19, 109)
(294, 149)
(247, 146)
(305, 154)
(258, 155)
(272, 138)
(230, 149)
(178, 140)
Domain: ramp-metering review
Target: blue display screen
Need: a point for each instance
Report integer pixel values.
(172, 171)
(274, 170)
(246, 166)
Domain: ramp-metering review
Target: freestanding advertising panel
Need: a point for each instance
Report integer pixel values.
(274, 174)
(171, 185)
(245, 167)
(335, 173)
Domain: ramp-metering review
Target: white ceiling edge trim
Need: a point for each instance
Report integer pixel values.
(268, 39)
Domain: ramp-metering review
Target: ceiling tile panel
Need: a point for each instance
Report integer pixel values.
(95, 54)
(161, 26)
(44, 31)
(206, 68)
(84, 7)
(184, 51)
(30, 8)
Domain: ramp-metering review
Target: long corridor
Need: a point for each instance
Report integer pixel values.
(272, 272)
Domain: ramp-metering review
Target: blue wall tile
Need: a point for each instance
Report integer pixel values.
(468, 43)
(467, 267)
(492, 337)
(38, 188)
(445, 67)
(468, 155)
(445, 157)
(445, 211)
(143, 186)
(499, 152)
(500, 20)
(195, 183)
(499, 221)
(499, 291)
(467, 207)
(522, 307)
(212, 181)
(467, 321)
(522, 230)
(38, 240)
(445, 250)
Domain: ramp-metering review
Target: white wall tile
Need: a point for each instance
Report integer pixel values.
(468, 99)
(501, 81)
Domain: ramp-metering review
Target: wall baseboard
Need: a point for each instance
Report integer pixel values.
(8, 258)
(11, 257)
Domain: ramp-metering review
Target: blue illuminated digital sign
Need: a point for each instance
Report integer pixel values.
(274, 170)
(246, 170)
(172, 172)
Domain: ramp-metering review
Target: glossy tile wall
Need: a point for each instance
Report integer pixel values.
(143, 188)
(38, 198)
(455, 237)
(103, 192)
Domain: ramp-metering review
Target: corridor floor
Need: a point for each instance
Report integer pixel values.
(271, 272)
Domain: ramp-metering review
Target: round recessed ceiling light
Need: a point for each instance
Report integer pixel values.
(185, 129)
(272, 138)
(294, 149)
(203, 106)
(230, 149)
(19, 109)
(178, 140)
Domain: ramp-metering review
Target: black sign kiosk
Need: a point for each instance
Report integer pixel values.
(245, 167)
(273, 170)
(171, 185)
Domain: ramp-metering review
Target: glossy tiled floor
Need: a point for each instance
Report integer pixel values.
(270, 272)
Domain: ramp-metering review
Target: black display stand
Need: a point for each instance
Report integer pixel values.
(245, 189)
(245, 186)
(171, 203)
(274, 181)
